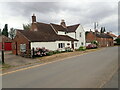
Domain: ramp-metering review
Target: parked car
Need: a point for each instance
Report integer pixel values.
(91, 46)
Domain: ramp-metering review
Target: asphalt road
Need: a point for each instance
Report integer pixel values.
(90, 70)
(113, 82)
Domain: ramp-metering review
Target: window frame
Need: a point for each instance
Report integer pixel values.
(61, 45)
(23, 47)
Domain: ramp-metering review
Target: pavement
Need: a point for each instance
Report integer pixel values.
(92, 70)
(14, 60)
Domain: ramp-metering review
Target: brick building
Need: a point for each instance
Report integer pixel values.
(5, 43)
(103, 39)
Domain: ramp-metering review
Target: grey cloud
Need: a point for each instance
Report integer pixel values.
(84, 13)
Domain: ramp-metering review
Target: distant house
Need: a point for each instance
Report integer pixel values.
(112, 35)
(51, 36)
(103, 39)
(5, 43)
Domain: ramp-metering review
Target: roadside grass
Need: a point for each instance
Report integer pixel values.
(63, 55)
(6, 66)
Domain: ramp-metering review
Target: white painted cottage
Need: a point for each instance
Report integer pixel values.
(51, 36)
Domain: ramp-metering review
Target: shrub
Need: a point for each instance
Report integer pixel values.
(50, 53)
(57, 51)
(68, 49)
(82, 48)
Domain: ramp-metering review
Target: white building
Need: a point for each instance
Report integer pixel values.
(51, 36)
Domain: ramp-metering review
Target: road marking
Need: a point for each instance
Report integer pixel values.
(44, 63)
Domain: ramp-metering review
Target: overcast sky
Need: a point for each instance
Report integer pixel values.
(15, 14)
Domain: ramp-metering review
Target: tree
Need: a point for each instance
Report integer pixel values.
(5, 30)
(12, 33)
(118, 41)
(94, 42)
(26, 26)
(104, 29)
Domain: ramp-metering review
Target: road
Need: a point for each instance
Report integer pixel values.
(113, 83)
(90, 70)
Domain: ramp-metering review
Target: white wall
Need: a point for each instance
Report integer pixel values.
(76, 47)
(71, 34)
(47, 45)
(66, 42)
(77, 36)
(50, 45)
(61, 33)
(82, 38)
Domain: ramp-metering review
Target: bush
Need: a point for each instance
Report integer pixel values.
(82, 48)
(50, 53)
(53, 52)
(57, 51)
(68, 49)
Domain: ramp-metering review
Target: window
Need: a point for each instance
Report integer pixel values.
(80, 34)
(61, 45)
(82, 43)
(75, 44)
(68, 44)
(23, 47)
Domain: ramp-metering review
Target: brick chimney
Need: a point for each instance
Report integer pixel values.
(108, 32)
(63, 23)
(34, 24)
(33, 18)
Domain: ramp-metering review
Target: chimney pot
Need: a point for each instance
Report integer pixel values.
(63, 23)
(33, 18)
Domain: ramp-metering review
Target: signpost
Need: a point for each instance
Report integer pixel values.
(2, 54)
(1, 50)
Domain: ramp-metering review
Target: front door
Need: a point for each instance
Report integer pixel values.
(72, 44)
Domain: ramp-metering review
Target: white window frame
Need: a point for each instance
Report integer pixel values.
(76, 44)
(61, 45)
(22, 47)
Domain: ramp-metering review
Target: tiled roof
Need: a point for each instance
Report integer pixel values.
(58, 27)
(5, 39)
(72, 28)
(68, 29)
(45, 33)
(112, 35)
(100, 35)
(103, 35)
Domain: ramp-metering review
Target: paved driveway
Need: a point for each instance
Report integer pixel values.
(17, 60)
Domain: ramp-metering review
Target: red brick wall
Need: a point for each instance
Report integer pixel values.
(90, 37)
(20, 39)
(103, 42)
